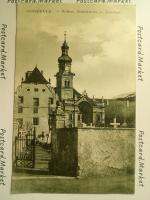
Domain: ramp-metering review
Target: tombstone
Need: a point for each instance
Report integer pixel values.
(84, 125)
(49, 139)
(128, 103)
(115, 124)
(45, 139)
(124, 125)
(107, 103)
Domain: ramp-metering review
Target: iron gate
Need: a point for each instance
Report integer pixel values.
(25, 150)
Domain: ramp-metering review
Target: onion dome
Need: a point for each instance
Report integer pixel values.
(65, 58)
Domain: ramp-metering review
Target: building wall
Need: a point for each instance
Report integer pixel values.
(67, 93)
(43, 93)
(106, 151)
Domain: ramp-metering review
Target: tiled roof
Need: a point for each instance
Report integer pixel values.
(36, 77)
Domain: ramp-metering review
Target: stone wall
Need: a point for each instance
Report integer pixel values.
(106, 151)
(93, 152)
(64, 152)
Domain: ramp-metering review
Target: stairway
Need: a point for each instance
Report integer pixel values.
(42, 158)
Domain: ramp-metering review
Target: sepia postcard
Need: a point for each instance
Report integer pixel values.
(74, 101)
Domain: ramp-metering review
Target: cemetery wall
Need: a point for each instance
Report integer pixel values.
(93, 152)
(106, 151)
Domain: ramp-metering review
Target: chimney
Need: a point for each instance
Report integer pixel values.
(28, 73)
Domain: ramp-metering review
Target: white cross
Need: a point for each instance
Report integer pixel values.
(115, 124)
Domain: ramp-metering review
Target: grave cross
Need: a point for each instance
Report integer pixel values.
(114, 124)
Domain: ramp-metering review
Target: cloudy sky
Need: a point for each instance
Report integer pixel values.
(102, 45)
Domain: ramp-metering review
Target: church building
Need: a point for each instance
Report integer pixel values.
(36, 99)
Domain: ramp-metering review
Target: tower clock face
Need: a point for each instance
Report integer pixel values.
(67, 94)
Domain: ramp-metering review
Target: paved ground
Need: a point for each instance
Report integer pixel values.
(42, 158)
(56, 184)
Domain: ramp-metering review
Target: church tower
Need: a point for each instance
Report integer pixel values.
(64, 77)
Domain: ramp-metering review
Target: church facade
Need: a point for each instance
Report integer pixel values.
(36, 100)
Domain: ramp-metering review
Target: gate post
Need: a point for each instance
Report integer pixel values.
(15, 162)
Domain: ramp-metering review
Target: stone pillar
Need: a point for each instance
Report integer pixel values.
(57, 121)
(53, 142)
(60, 118)
(15, 133)
(103, 117)
(94, 118)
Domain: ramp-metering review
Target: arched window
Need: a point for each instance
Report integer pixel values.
(67, 83)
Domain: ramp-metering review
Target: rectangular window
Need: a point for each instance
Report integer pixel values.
(50, 101)
(35, 109)
(35, 121)
(20, 109)
(98, 117)
(70, 116)
(35, 101)
(67, 83)
(79, 118)
(20, 99)
(36, 89)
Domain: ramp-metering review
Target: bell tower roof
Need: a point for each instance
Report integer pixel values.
(65, 45)
(65, 58)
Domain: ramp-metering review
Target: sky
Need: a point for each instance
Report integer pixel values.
(101, 39)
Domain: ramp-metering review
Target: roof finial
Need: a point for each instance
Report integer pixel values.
(65, 35)
(84, 93)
